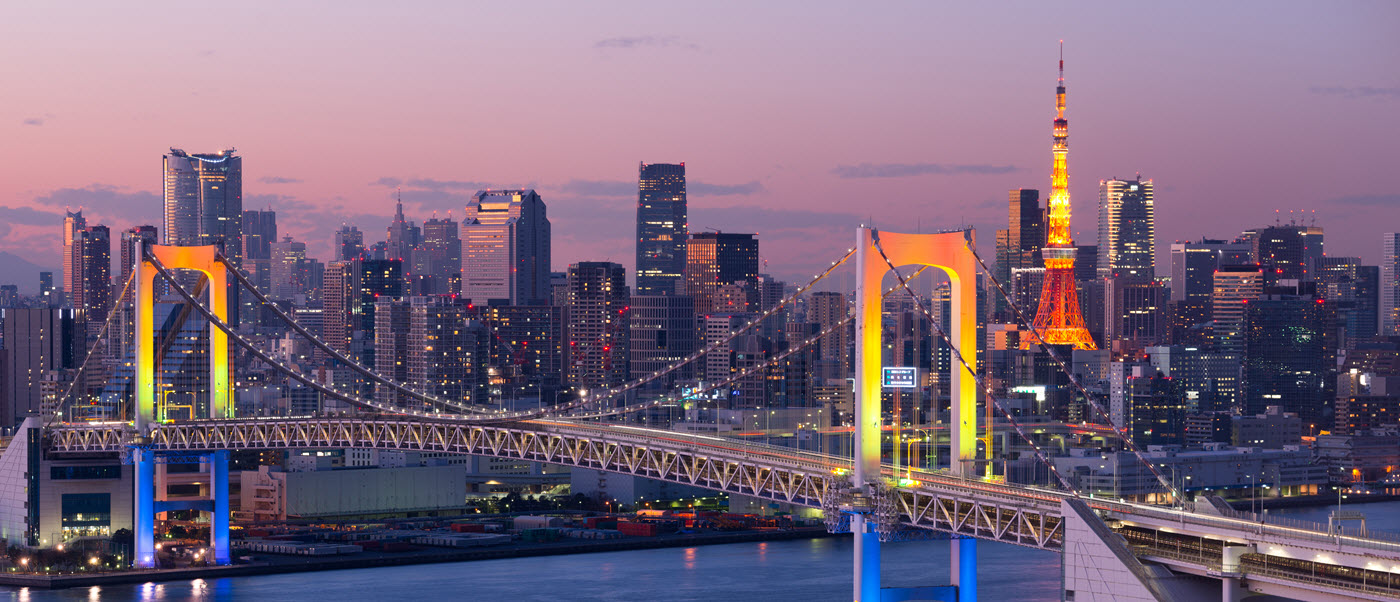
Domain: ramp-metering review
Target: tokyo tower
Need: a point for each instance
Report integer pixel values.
(1058, 318)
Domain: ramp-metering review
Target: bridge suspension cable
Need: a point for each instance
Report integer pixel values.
(1123, 433)
(981, 383)
(654, 376)
(355, 366)
(742, 375)
(82, 369)
(264, 356)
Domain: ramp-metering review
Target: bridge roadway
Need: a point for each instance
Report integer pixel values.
(1020, 515)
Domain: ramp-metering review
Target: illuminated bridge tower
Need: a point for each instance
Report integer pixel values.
(1058, 319)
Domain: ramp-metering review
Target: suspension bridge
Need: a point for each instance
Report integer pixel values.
(1112, 549)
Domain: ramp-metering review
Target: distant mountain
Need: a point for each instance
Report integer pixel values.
(17, 270)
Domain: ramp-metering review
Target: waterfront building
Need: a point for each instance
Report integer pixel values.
(662, 228)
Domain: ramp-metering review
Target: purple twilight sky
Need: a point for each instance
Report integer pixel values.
(798, 120)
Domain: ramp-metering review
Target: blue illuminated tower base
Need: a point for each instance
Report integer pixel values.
(145, 507)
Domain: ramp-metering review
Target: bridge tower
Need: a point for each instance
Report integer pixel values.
(204, 259)
(952, 253)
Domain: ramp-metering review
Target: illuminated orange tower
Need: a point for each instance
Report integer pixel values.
(1058, 319)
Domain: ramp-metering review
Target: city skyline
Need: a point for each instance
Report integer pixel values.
(753, 167)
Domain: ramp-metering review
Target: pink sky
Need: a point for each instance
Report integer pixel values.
(1235, 110)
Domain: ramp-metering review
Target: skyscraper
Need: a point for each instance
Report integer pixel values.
(259, 232)
(349, 243)
(1390, 284)
(204, 200)
(1194, 264)
(598, 324)
(1020, 246)
(662, 334)
(1288, 251)
(439, 255)
(827, 309)
(95, 298)
(1127, 231)
(1235, 287)
(1288, 356)
(1058, 318)
(714, 259)
(37, 341)
(401, 236)
(505, 246)
(661, 228)
(147, 234)
(446, 353)
(288, 268)
(73, 227)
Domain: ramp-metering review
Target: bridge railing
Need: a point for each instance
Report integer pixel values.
(1281, 527)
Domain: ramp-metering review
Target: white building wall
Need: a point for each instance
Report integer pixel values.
(373, 490)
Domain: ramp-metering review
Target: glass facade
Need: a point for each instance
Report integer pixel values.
(661, 228)
(87, 514)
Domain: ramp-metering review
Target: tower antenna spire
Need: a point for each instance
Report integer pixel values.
(1062, 62)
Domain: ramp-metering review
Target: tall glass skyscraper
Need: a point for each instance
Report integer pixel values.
(1127, 230)
(204, 200)
(661, 228)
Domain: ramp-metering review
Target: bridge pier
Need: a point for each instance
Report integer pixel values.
(144, 508)
(964, 569)
(867, 557)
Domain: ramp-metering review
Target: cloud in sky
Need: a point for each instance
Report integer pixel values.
(139, 205)
(430, 184)
(901, 170)
(608, 188)
(29, 216)
(707, 189)
(1369, 200)
(646, 42)
(1357, 91)
(279, 180)
(34, 121)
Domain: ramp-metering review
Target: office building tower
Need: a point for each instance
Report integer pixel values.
(1208, 381)
(401, 236)
(288, 268)
(527, 349)
(731, 356)
(829, 310)
(1353, 290)
(1086, 262)
(37, 342)
(74, 225)
(1127, 229)
(1018, 246)
(47, 296)
(505, 246)
(598, 324)
(1147, 404)
(1389, 313)
(662, 334)
(391, 330)
(447, 354)
(259, 232)
(146, 234)
(1193, 265)
(349, 291)
(438, 257)
(1134, 313)
(9, 297)
(1058, 318)
(1287, 251)
(714, 259)
(1289, 357)
(1235, 287)
(349, 243)
(204, 200)
(95, 292)
(662, 228)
